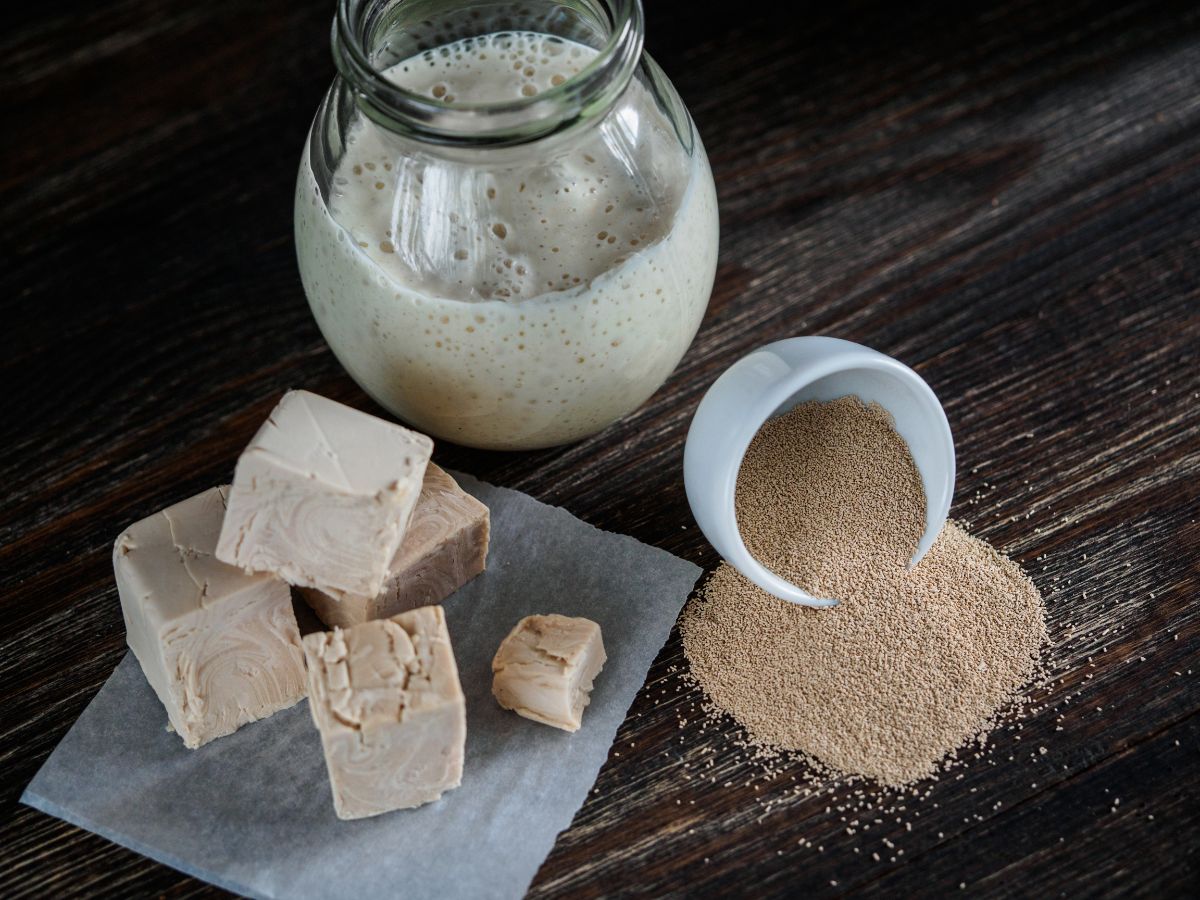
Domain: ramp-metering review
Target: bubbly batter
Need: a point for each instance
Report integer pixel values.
(506, 299)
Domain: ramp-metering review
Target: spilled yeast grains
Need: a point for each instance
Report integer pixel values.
(911, 664)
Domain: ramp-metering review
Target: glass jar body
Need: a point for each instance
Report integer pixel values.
(510, 297)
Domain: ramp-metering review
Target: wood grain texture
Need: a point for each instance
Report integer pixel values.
(1005, 195)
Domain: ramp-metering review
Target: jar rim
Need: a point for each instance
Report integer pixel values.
(473, 123)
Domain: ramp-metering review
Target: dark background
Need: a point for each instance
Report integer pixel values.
(1004, 195)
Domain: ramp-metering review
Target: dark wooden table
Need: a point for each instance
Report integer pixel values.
(1005, 195)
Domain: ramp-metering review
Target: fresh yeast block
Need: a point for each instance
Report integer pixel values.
(386, 698)
(545, 668)
(219, 646)
(323, 495)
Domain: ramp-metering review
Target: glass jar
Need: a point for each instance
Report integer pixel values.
(505, 221)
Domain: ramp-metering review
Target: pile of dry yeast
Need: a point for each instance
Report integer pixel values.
(911, 664)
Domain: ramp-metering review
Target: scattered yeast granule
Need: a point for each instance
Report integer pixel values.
(910, 665)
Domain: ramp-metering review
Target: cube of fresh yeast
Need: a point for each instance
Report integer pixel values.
(544, 669)
(386, 699)
(445, 546)
(322, 496)
(219, 647)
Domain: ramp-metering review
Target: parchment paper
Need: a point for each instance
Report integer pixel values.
(252, 812)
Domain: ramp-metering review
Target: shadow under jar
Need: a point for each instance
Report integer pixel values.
(505, 221)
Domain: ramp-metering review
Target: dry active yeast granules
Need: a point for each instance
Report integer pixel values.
(911, 664)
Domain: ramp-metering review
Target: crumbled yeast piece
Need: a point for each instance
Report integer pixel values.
(445, 546)
(219, 647)
(323, 495)
(386, 698)
(544, 669)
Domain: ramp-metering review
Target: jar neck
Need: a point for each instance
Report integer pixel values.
(369, 36)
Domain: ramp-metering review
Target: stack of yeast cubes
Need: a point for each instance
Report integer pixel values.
(347, 508)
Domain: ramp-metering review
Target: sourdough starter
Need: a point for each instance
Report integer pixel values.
(518, 297)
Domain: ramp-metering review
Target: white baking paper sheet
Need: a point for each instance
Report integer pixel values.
(252, 812)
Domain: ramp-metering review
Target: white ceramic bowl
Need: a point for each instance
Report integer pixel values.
(774, 379)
